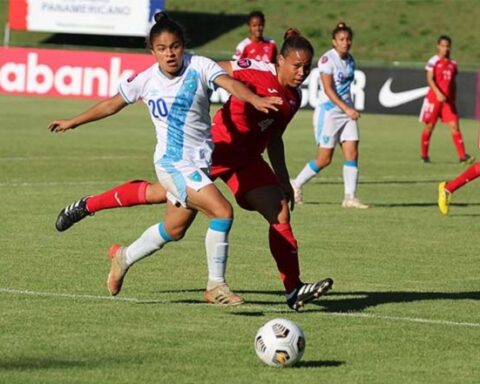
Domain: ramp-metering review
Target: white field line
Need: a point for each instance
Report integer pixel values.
(246, 306)
(55, 183)
(105, 157)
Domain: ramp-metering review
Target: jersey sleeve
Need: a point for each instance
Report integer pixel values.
(210, 71)
(238, 52)
(431, 64)
(325, 65)
(131, 88)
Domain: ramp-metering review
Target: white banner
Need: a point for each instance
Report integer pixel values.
(100, 17)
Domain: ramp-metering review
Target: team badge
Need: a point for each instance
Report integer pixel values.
(325, 139)
(324, 59)
(130, 79)
(195, 176)
(244, 63)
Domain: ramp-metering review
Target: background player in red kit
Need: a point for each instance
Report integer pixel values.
(241, 135)
(256, 46)
(440, 100)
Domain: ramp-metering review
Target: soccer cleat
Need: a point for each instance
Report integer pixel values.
(297, 191)
(354, 203)
(306, 293)
(118, 269)
(444, 198)
(221, 295)
(467, 160)
(426, 159)
(72, 214)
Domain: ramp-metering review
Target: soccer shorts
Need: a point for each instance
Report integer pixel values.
(175, 177)
(332, 127)
(243, 178)
(432, 109)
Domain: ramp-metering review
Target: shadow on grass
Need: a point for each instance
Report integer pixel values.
(34, 363)
(318, 364)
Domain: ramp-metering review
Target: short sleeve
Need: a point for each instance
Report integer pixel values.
(131, 89)
(238, 52)
(210, 71)
(325, 65)
(431, 64)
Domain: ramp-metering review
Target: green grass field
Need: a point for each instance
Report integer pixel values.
(404, 309)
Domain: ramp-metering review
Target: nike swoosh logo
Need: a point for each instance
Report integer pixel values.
(390, 99)
(272, 90)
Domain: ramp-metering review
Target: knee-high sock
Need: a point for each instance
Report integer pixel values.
(308, 172)
(284, 249)
(150, 241)
(216, 244)
(124, 195)
(457, 139)
(470, 174)
(350, 178)
(425, 142)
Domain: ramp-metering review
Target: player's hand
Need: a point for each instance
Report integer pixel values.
(264, 104)
(60, 126)
(441, 97)
(352, 113)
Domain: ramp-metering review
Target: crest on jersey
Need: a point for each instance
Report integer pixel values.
(130, 79)
(324, 59)
(244, 63)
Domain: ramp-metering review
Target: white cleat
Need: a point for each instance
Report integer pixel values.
(297, 191)
(354, 203)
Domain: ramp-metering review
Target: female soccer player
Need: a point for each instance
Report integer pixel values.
(335, 118)
(241, 134)
(255, 46)
(440, 100)
(176, 90)
(446, 188)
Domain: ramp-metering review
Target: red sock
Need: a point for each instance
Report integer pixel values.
(124, 195)
(470, 174)
(458, 141)
(425, 142)
(285, 252)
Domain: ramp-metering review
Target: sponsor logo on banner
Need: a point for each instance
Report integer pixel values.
(391, 99)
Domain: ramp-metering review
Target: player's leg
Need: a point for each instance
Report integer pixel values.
(446, 189)
(425, 141)
(177, 220)
(324, 130)
(136, 192)
(457, 137)
(429, 115)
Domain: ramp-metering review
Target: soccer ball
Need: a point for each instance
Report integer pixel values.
(280, 343)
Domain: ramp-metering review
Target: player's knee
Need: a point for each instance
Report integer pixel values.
(222, 210)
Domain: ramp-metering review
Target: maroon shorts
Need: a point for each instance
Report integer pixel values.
(244, 177)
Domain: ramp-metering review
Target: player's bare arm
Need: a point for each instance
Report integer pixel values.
(99, 111)
(242, 92)
(327, 81)
(431, 82)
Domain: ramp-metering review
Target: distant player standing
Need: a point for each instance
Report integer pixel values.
(256, 46)
(335, 118)
(440, 100)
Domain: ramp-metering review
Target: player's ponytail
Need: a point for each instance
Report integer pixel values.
(163, 23)
(342, 27)
(293, 39)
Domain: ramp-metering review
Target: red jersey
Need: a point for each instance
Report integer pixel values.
(444, 72)
(239, 131)
(265, 50)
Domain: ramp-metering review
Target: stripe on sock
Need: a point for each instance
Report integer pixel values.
(163, 232)
(351, 163)
(313, 166)
(221, 225)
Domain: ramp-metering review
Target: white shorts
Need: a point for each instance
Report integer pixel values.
(175, 177)
(333, 126)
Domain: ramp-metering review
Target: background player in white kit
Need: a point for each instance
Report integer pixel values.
(176, 90)
(335, 118)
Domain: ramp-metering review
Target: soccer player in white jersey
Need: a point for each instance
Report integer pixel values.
(176, 90)
(335, 118)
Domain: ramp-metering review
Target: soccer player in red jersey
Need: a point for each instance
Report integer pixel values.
(241, 135)
(440, 100)
(256, 46)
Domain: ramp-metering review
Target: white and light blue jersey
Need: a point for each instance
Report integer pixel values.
(179, 108)
(343, 72)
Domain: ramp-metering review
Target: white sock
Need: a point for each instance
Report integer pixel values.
(216, 243)
(150, 241)
(350, 178)
(308, 172)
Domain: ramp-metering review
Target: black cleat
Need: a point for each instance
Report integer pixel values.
(72, 214)
(308, 292)
(467, 160)
(426, 160)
